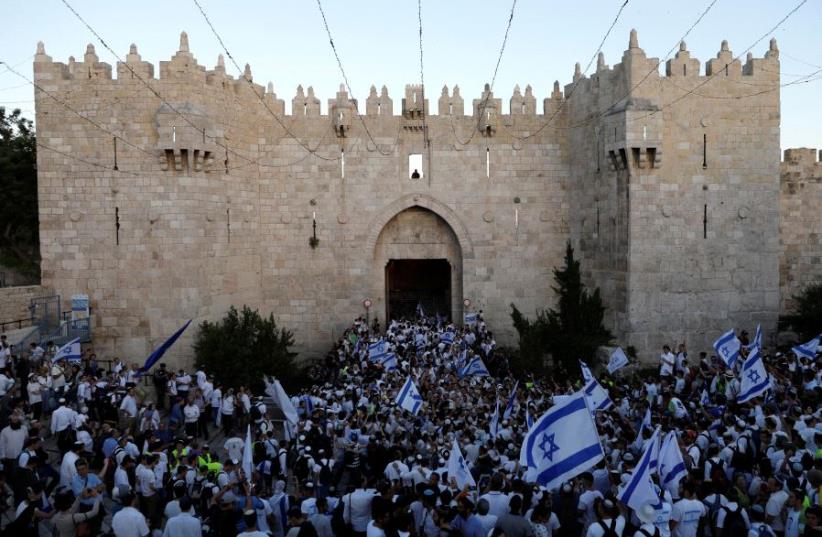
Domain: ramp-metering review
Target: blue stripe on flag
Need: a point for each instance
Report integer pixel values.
(570, 463)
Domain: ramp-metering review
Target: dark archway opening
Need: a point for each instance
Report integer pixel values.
(409, 282)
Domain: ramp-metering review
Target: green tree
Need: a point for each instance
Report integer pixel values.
(806, 319)
(569, 333)
(19, 227)
(243, 347)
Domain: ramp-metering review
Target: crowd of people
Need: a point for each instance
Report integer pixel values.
(88, 450)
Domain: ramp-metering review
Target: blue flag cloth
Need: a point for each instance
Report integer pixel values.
(643, 425)
(420, 311)
(509, 407)
(598, 397)
(757, 341)
(475, 367)
(704, 399)
(377, 350)
(755, 379)
(158, 353)
(447, 338)
(529, 421)
(388, 361)
(562, 443)
(587, 376)
(409, 397)
(470, 319)
(617, 361)
(639, 490)
(807, 350)
(727, 347)
(308, 402)
(70, 351)
(458, 468)
(671, 464)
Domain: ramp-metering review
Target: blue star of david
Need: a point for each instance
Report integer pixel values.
(754, 376)
(548, 447)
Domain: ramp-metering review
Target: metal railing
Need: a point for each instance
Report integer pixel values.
(19, 322)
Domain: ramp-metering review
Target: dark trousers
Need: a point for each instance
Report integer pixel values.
(228, 423)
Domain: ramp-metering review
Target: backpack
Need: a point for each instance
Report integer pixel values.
(325, 473)
(717, 474)
(744, 459)
(609, 531)
(338, 523)
(644, 532)
(255, 413)
(734, 524)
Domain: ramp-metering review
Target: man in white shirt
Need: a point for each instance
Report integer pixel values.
(183, 524)
(12, 438)
(667, 361)
(129, 522)
(587, 500)
(687, 512)
(63, 420)
(776, 501)
(128, 409)
(67, 468)
(497, 500)
(6, 384)
(357, 508)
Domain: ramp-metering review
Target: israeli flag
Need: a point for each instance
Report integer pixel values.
(807, 350)
(644, 425)
(587, 376)
(389, 361)
(470, 319)
(671, 464)
(420, 311)
(727, 347)
(618, 360)
(475, 367)
(377, 350)
(598, 397)
(494, 425)
(704, 400)
(639, 490)
(308, 403)
(755, 379)
(462, 359)
(248, 458)
(70, 351)
(458, 468)
(447, 338)
(511, 399)
(409, 397)
(562, 443)
(757, 341)
(158, 353)
(419, 340)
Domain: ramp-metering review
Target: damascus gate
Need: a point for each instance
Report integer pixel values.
(418, 196)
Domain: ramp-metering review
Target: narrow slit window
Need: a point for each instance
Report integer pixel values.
(704, 150)
(726, 69)
(488, 162)
(379, 109)
(705, 221)
(173, 133)
(450, 109)
(684, 70)
(342, 163)
(415, 166)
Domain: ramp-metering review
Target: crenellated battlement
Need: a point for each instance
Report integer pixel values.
(605, 82)
(801, 164)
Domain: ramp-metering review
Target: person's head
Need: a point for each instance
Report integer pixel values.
(483, 507)
(515, 504)
(250, 519)
(796, 498)
(185, 503)
(687, 489)
(295, 516)
(127, 498)
(608, 509)
(465, 507)
(82, 468)
(813, 516)
(63, 500)
(587, 479)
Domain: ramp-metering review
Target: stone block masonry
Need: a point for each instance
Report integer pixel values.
(15, 302)
(667, 186)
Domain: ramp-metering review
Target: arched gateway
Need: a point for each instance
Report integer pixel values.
(418, 260)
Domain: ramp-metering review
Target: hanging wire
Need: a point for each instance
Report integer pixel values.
(493, 80)
(276, 117)
(348, 86)
(422, 78)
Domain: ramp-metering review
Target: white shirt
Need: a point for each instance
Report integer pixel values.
(146, 480)
(595, 530)
(497, 503)
(5, 384)
(183, 525)
(774, 508)
(129, 522)
(732, 506)
(11, 441)
(687, 513)
(357, 508)
(586, 503)
(191, 413)
(62, 419)
(374, 531)
(129, 406)
(67, 469)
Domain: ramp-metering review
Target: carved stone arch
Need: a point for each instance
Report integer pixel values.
(426, 202)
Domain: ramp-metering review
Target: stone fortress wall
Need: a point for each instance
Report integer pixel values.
(668, 186)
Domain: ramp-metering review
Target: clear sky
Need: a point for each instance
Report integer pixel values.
(285, 42)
